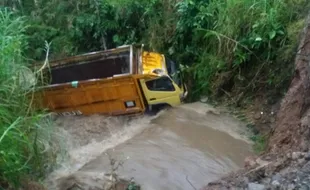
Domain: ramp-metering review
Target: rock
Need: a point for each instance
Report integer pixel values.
(250, 162)
(289, 155)
(304, 187)
(291, 187)
(204, 99)
(255, 186)
(296, 155)
(267, 180)
(261, 162)
(246, 180)
(276, 177)
(301, 161)
(275, 183)
(107, 185)
(75, 187)
(268, 158)
(306, 168)
(257, 116)
(307, 156)
(304, 146)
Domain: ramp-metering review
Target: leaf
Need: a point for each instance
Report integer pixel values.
(255, 25)
(272, 34)
(258, 39)
(280, 32)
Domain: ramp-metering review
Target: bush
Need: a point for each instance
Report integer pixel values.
(20, 145)
(235, 48)
(244, 46)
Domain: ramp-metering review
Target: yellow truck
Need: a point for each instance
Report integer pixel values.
(124, 80)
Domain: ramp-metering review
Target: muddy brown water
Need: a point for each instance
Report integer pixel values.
(178, 148)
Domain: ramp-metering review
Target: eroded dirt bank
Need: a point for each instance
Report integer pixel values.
(285, 165)
(177, 149)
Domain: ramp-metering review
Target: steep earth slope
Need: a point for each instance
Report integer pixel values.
(286, 163)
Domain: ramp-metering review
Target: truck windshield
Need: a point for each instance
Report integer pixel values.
(172, 69)
(160, 84)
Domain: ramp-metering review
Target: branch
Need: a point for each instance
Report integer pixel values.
(47, 46)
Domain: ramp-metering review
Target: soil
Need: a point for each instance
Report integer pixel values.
(286, 162)
(28, 184)
(277, 171)
(262, 115)
(292, 130)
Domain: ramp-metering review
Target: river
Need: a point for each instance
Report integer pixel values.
(177, 149)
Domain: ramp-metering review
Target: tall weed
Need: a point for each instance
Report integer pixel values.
(245, 39)
(20, 147)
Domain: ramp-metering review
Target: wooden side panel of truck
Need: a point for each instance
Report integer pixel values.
(114, 96)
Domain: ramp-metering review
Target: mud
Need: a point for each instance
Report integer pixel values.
(177, 149)
(292, 131)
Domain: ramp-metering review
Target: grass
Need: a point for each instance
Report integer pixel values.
(260, 143)
(20, 144)
(242, 41)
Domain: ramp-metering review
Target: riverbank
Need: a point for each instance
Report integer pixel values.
(285, 163)
(277, 171)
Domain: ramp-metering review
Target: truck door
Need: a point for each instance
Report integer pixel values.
(161, 91)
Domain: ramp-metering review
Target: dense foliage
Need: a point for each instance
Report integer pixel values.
(232, 46)
(20, 146)
(230, 49)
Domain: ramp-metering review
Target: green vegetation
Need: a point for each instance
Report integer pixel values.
(245, 46)
(260, 143)
(20, 145)
(259, 140)
(232, 49)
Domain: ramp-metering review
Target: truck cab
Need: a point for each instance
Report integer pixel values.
(165, 88)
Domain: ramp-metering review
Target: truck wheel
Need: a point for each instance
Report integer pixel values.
(154, 109)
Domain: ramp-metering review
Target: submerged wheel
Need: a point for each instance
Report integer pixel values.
(154, 109)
